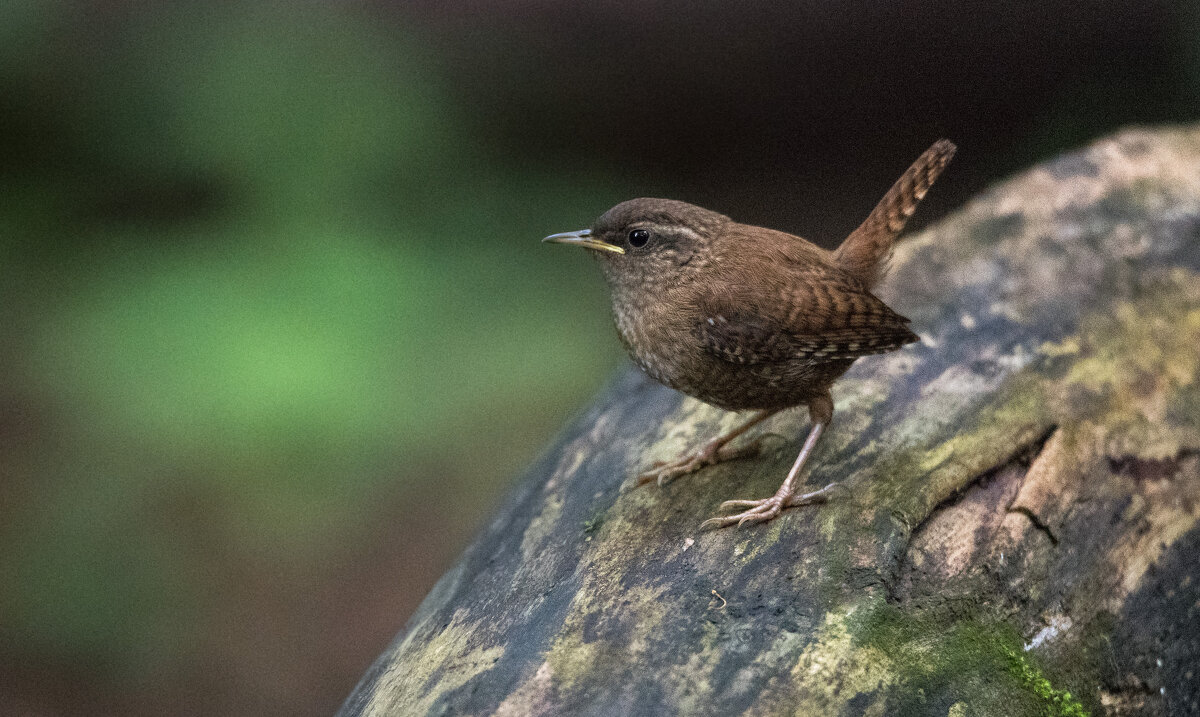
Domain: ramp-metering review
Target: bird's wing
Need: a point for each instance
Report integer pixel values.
(816, 316)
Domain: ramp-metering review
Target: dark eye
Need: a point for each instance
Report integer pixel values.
(639, 237)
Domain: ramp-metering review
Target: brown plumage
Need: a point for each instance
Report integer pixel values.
(744, 317)
(867, 252)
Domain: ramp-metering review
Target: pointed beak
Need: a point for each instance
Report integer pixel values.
(583, 238)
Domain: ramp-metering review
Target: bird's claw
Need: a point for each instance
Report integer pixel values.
(713, 452)
(760, 511)
(662, 471)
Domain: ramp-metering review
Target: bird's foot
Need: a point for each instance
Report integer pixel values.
(714, 451)
(765, 509)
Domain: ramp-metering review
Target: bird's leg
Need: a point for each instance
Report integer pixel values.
(821, 411)
(714, 451)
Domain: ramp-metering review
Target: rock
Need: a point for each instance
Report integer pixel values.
(1018, 537)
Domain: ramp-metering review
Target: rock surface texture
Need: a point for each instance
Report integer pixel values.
(1019, 536)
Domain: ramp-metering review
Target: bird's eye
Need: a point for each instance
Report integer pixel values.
(639, 237)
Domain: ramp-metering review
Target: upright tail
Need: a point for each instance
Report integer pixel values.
(868, 250)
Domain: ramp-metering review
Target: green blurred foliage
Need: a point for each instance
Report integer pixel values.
(261, 273)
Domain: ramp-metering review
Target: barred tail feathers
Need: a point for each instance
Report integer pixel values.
(868, 249)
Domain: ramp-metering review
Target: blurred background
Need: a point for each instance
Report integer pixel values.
(276, 332)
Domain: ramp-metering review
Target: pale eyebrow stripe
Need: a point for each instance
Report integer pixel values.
(669, 229)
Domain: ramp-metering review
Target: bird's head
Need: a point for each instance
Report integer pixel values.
(649, 242)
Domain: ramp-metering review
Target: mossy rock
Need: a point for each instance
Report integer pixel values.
(1017, 537)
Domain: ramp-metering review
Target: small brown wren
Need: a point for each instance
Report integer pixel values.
(743, 317)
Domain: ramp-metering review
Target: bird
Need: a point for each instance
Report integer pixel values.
(747, 318)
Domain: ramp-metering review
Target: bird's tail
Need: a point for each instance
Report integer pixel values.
(868, 250)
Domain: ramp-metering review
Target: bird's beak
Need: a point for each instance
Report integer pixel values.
(583, 238)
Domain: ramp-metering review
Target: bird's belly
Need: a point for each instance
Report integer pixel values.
(666, 348)
(738, 387)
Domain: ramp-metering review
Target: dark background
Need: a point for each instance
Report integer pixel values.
(275, 329)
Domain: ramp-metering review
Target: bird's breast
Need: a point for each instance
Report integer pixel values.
(658, 339)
